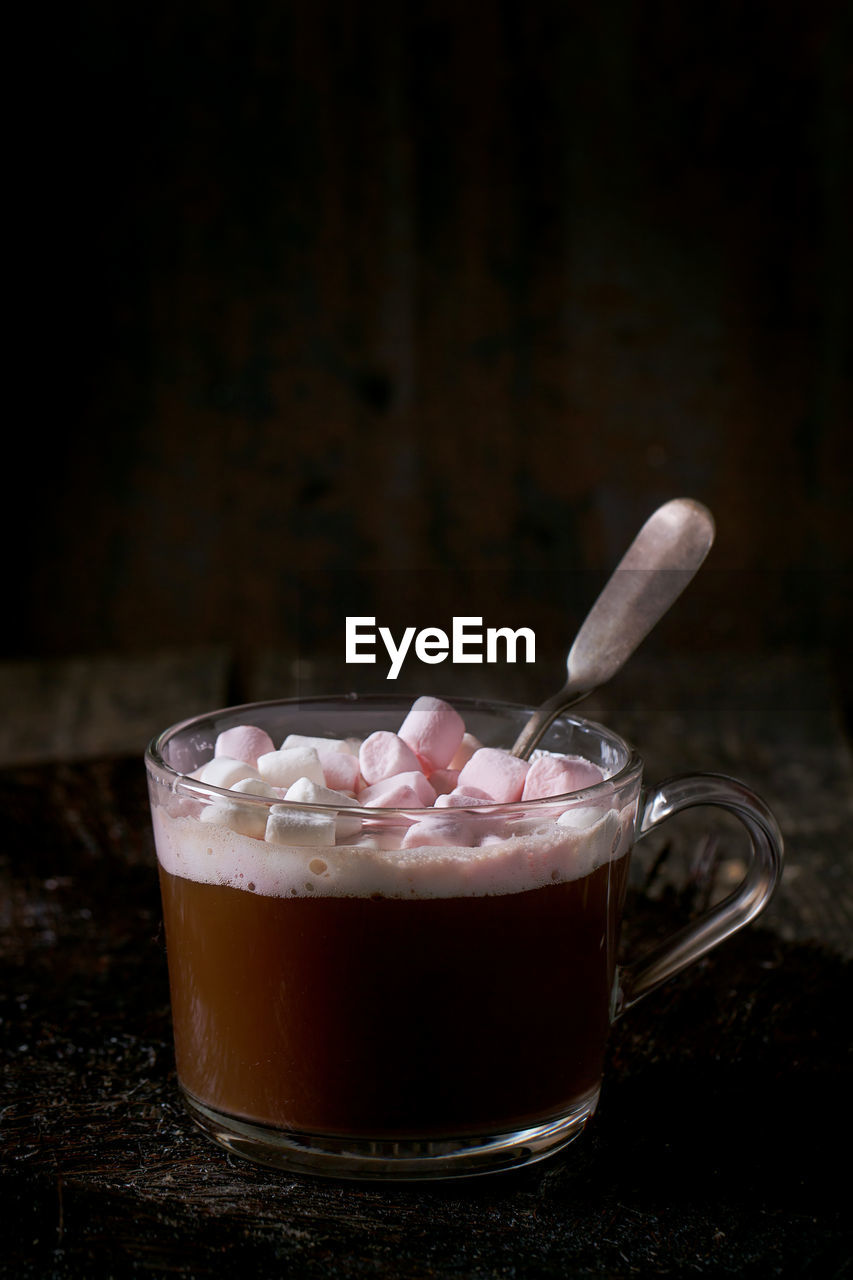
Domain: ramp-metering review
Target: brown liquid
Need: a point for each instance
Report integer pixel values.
(392, 1017)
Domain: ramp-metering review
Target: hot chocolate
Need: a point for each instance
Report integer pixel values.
(393, 1016)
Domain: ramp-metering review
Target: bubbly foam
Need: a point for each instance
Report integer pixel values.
(525, 855)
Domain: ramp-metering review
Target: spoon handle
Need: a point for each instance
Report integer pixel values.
(543, 717)
(653, 572)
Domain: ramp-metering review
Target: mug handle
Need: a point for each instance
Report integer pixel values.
(734, 912)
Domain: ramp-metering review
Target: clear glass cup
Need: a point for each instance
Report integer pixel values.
(409, 994)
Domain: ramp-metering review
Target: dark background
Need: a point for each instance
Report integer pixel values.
(420, 309)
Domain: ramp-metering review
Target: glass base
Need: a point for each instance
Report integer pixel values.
(393, 1159)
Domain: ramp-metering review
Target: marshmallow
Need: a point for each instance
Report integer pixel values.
(579, 817)
(385, 837)
(243, 742)
(556, 775)
(321, 744)
(223, 771)
(413, 780)
(340, 769)
(383, 755)
(439, 829)
(299, 826)
(464, 751)
(282, 768)
(469, 798)
(434, 730)
(256, 787)
(432, 765)
(496, 772)
(304, 791)
(464, 829)
(423, 789)
(444, 780)
(246, 820)
(392, 793)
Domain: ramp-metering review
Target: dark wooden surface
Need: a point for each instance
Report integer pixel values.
(717, 1144)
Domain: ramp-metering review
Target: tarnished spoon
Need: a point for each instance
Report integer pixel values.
(651, 575)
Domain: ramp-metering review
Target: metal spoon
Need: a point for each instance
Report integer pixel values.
(653, 572)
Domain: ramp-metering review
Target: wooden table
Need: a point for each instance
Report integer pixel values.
(714, 1148)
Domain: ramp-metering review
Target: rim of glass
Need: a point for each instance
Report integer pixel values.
(182, 782)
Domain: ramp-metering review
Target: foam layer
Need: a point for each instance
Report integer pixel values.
(526, 855)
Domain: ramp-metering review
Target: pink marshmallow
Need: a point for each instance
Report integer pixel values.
(383, 755)
(476, 829)
(419, 784)
(496, 772)
(556, 775)
(467, 799)
(433, 730)
(465, 750)
(438, 829)
(340, 769)
(444, 780)
(391, 793)
(243, 742)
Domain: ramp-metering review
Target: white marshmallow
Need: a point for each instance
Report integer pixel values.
(304, 791)
(283, 768)
(286, 825)
(256, 787)
(580, 817)
(222, 771)
(246, 820)
(602, 834)
(320, 744)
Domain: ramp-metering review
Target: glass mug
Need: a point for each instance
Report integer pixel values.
(364, 1008)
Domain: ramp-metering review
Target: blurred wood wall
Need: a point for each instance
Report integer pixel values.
(420, 309)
